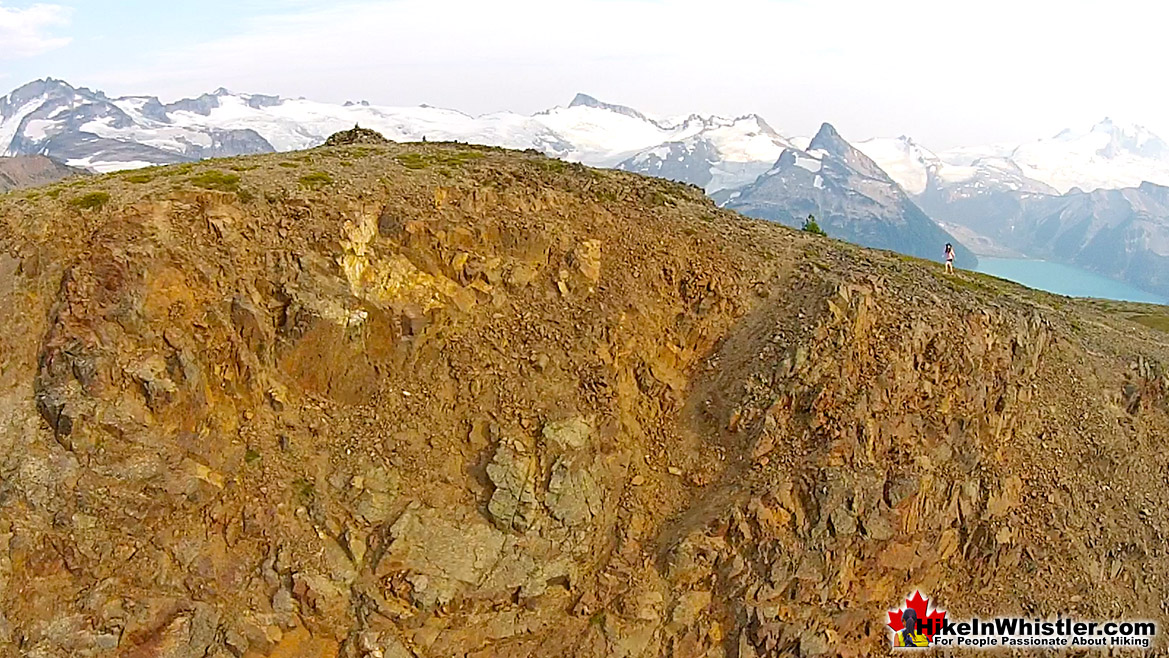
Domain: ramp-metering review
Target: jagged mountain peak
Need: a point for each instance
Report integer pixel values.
(1112, 126)
(584, 100)
(1120, 131)
(830, 141)
(763, 125)
(911, 145)
(43, 88)
(47, 83)
(850, 195)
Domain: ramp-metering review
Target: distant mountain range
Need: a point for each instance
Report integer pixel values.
(887, 193)
(86, 129)
(850, 196)
(1095, 198)
(1105, 156)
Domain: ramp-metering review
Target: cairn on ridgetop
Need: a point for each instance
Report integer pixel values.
(357, 135)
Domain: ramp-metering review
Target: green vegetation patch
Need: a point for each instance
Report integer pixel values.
(413, 161)
(551, 165)
(316, 180)
(91, 201)
(1158, 322)
(176, 170)
(304, 490)
(967, 280)
(290, 165)
(139, 177)
(810, 226)
(443, 158)
(660, 198)
(216, 180)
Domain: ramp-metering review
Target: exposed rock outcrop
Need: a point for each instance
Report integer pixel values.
(434, 400)
(356, 135)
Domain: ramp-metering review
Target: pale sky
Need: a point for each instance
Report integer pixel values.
(947, 73)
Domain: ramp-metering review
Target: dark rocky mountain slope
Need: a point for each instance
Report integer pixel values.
(1122, 234)
(32, 170)
(850, 196)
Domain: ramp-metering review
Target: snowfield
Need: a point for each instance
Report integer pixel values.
(1107, 155)
(906, 163)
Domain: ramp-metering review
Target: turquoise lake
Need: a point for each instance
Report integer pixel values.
(1063, 279)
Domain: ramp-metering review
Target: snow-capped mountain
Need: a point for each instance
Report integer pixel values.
(1106, 156)
(849, 194)
(882, 192)
(742, 157)
(906, 162)
(1000, 204)
(721, 155)
(87, 129)
(969, 198)
(920, 171)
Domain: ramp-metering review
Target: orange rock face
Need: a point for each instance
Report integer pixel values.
(434, 400)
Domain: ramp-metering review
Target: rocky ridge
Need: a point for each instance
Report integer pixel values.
(417, 400)
(32, 170)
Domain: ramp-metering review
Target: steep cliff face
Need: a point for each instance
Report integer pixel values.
(430, 400)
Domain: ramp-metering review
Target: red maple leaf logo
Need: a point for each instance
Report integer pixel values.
(920, 605)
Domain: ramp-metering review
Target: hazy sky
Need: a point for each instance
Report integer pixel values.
(944, 72)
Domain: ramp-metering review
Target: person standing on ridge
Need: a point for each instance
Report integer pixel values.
(949, 258)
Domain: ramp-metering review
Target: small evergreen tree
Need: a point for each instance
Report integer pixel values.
(812, 227)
